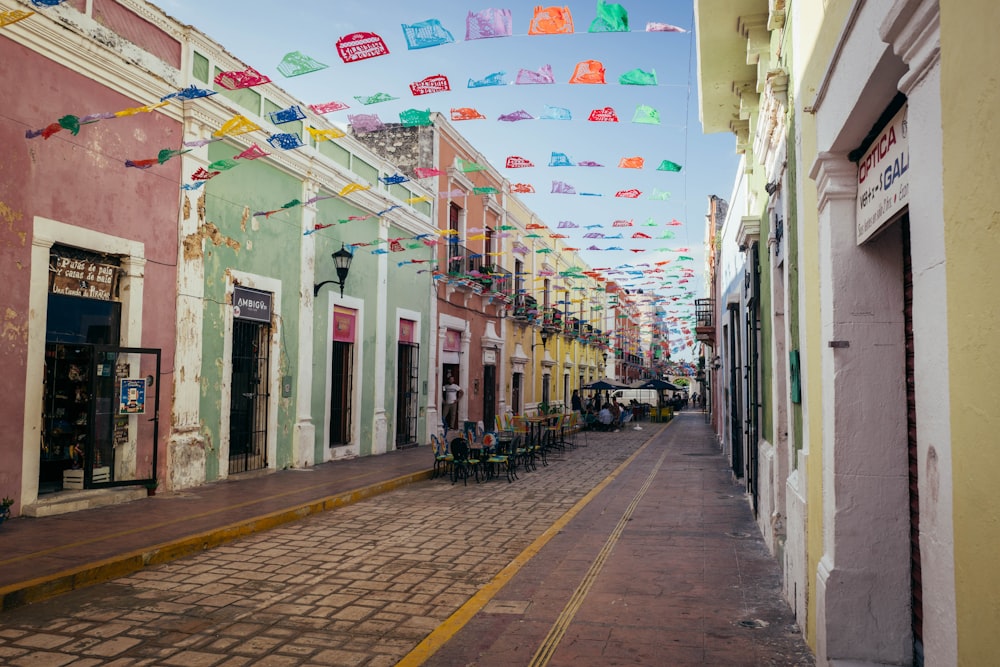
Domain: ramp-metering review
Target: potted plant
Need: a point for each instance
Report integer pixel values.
(5, 505)
(151, 487)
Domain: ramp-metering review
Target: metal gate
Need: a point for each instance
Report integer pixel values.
(251, 362)
(489, 396)
(341, 390)
(752, 370)
(407, 378)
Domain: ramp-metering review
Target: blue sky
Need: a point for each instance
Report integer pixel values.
(261, 34)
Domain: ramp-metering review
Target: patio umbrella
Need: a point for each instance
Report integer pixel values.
(606, 384)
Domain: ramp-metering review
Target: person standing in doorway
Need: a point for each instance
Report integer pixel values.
(577, 402)
(452, 392)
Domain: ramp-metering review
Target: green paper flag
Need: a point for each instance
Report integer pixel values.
(610, 18)
(415, 118)
(638, 77)
(667, 165)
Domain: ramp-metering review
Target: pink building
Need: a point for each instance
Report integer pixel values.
(88, 250)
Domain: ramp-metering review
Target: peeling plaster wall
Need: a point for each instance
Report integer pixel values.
(228, 239)
(78, 180)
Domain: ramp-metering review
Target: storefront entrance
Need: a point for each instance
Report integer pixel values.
(100, 416)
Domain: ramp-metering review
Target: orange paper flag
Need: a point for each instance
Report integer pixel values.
(551, 21)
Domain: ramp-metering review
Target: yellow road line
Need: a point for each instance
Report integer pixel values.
(548, 647)
(451, 625)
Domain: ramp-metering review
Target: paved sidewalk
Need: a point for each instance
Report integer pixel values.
(46, 556)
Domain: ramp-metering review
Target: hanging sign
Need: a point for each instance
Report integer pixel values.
(250, 304)
(883, 181)
(82, 277)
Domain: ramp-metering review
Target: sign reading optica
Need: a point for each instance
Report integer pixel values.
(883, 182)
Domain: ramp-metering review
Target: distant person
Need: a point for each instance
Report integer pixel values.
(576, 402)
(452, 392)
(605, 418)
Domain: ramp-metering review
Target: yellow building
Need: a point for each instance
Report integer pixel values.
(875, 161)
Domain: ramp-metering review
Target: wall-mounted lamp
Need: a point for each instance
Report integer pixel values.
(545, 339)
(342, 261)
(604, 355)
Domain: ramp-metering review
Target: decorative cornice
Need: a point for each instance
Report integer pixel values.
(836, 178)
(913, 28)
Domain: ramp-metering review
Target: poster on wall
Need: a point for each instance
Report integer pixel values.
(83, 277)
(883, 181)
(132, 397)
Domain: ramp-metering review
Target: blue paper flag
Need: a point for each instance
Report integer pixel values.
(426, 34)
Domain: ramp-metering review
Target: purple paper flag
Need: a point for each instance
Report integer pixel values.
(489, 23)
(515, 116)
(543, 75)
(558, 187)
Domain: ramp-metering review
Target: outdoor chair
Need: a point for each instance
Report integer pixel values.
(442, 457)
(464, 464)
(497, 458)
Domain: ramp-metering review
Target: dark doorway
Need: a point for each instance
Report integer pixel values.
(341, 390)
(251, 361)
(489, 397)
(407, 377)
(916, 579)
(515, 393)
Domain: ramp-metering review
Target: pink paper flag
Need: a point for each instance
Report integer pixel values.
(328, 107)
(241, 79)
(361, 46)
(426, 172)
(251, 153)
(605, 115)
(437, 83)
(516, 162)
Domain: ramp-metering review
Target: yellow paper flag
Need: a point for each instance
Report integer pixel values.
(325, 135)
(236, 125)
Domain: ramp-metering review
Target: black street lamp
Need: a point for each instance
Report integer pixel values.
(342, 262)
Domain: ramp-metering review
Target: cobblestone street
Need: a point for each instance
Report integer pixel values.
(366, 583)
